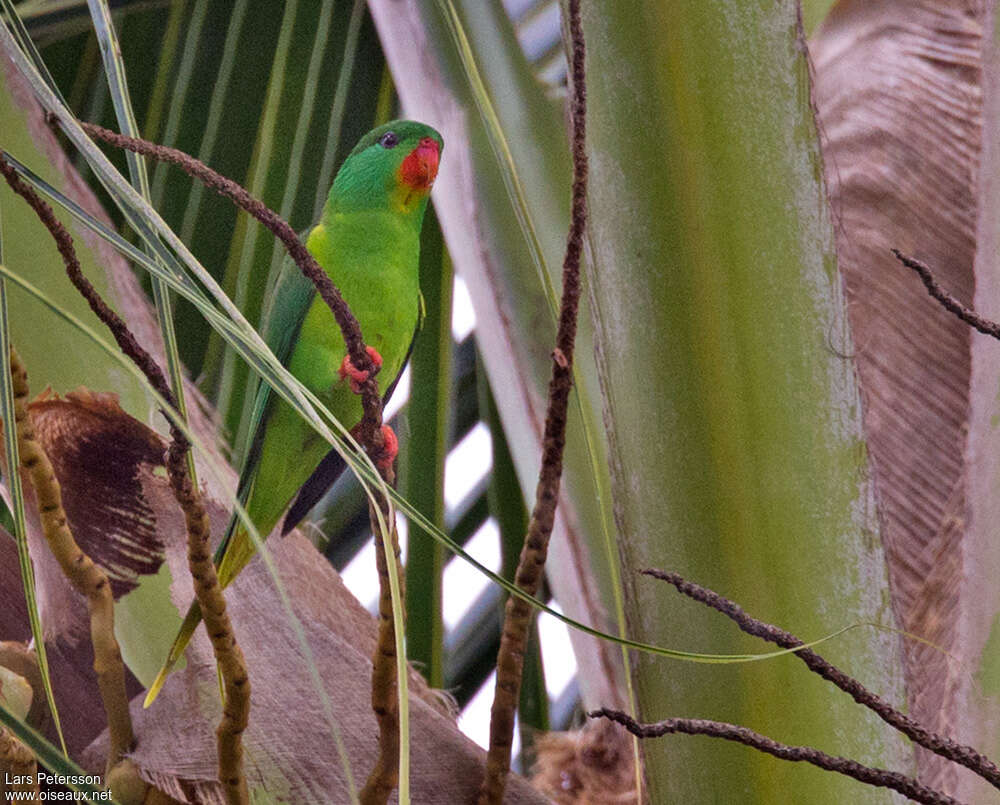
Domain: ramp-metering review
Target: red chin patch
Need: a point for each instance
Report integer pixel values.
(420, 167)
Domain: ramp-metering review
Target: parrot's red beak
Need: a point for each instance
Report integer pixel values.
(420, 167)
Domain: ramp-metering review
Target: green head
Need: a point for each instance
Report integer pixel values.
(391, 168)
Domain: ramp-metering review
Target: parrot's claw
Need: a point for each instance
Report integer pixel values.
(358, 376)
(390, 449)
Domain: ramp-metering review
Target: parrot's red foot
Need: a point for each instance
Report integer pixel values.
(358, 376)
(390, 449)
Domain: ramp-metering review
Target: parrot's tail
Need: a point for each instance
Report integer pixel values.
(236, 549)
(191, 621)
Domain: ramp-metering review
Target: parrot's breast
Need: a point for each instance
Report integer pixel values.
(373, 258)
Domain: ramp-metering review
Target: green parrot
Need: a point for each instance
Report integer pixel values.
(368, 242)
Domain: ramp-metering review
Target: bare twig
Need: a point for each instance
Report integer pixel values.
(213, 605)
(948, 302)
(87, 578)
(228, 655)
(517, 618)
(384, 776)
(880, 778)
(912, 729)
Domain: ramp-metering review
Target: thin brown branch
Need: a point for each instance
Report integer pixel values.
(948, 302)
(228, 655)
(86, 577)
(369, 431)
(213, 605)
(384, 776)
(18, 764)
(880, 778)
(912, 729)
(518, 614)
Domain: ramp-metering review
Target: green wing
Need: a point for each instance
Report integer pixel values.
(282, 319)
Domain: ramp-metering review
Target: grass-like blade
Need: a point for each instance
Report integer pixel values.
(182, 86)
(326, 171)
(17, 504)
(160, 96)
(303, 122)
(114, 69)
(245, 279)
(213, 124)
(24, 40)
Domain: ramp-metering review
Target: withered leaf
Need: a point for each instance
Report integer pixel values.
(97, 452)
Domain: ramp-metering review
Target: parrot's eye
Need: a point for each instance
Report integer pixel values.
(388, 140)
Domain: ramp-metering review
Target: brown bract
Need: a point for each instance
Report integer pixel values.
(98, 452)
